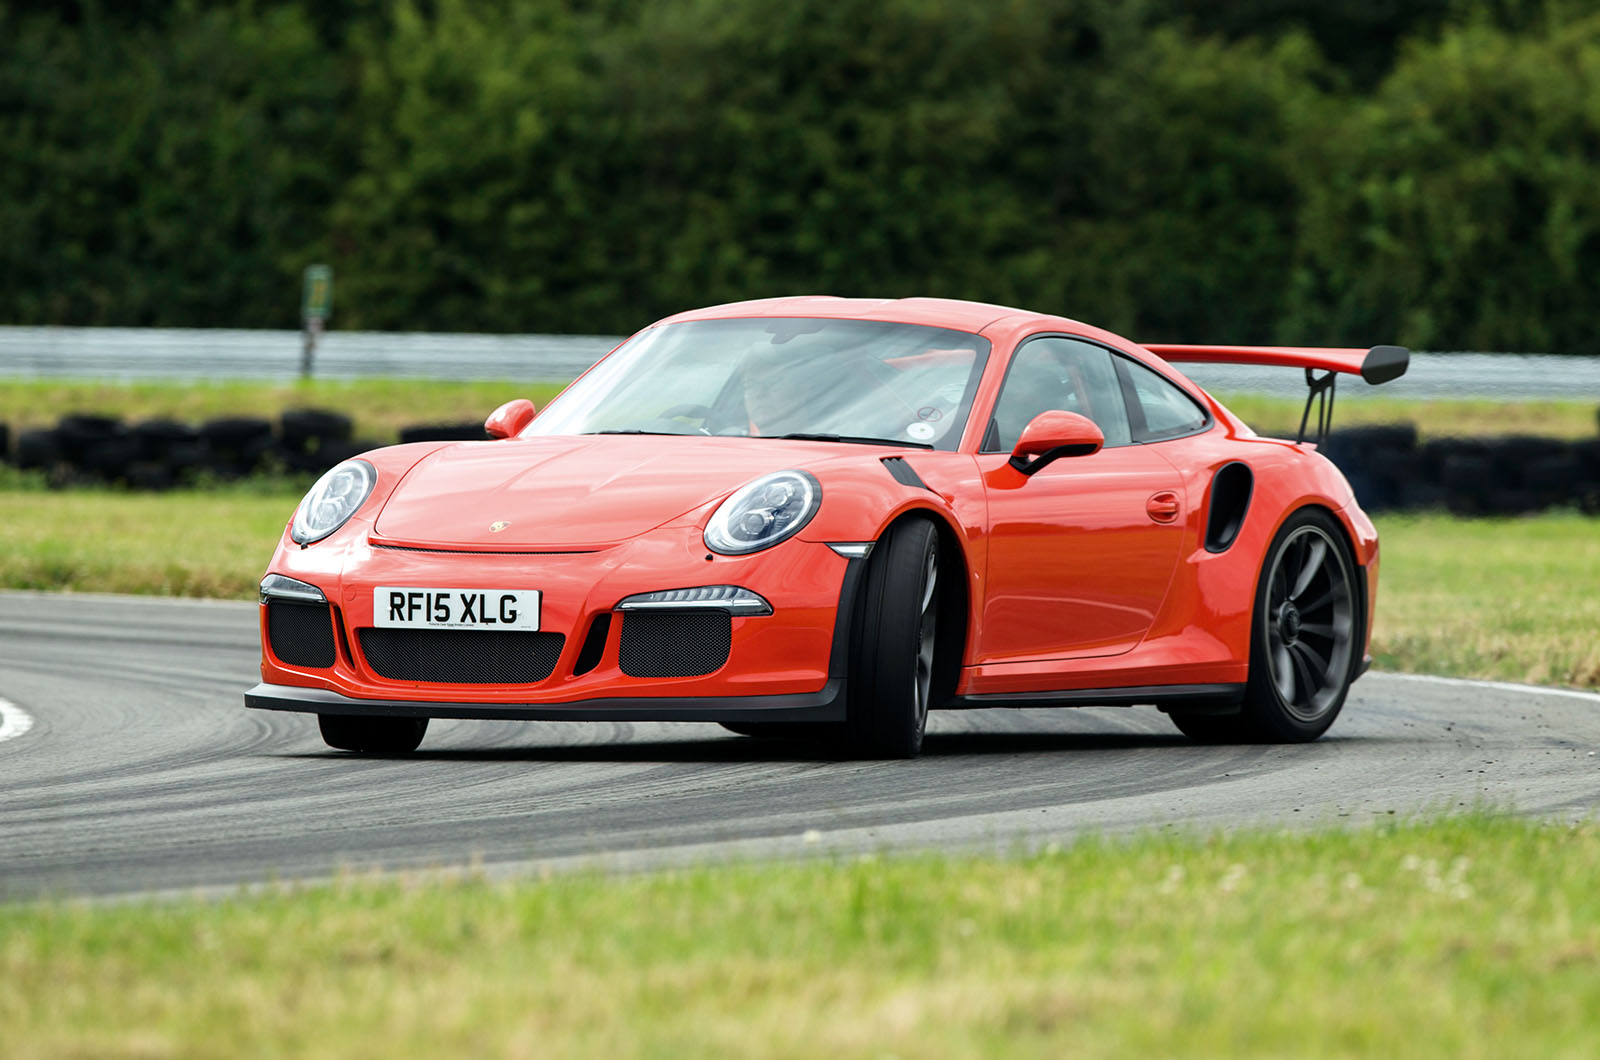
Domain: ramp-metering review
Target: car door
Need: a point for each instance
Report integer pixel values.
(1082, 553)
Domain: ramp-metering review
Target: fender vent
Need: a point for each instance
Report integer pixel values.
(903, 472)
(1226, 505)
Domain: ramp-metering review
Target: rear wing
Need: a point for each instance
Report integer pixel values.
(1380, 364)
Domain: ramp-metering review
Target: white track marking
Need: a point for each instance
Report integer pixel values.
(14, 721)
(1504, 686)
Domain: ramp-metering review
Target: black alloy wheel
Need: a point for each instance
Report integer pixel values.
(1304, 644)
(373, 735)
(894, 642)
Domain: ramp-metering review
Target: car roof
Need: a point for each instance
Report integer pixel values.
(933, 312)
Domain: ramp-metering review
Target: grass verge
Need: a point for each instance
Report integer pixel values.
(213, 543)
(1511, 599)
(1507, 599)
(1465, 937)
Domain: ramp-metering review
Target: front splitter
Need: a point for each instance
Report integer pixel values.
(824, 705)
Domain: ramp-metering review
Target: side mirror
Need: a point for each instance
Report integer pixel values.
(1053, 435)
(508, 420)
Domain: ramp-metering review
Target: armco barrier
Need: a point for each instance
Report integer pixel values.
(1388, 467)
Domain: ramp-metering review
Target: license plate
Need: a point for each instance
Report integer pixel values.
(407, 607)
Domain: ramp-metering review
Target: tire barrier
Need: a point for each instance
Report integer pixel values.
(1391, 471)
(160, 454)
(444, 432)
(1389, 468)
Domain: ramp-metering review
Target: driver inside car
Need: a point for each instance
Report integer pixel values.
(825, 391)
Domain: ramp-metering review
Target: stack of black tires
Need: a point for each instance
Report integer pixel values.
(1391, 471)
(162, 453)
(158, 454)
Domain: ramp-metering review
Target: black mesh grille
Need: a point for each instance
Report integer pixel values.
(675, 643)
(461, 657)
(301, 634)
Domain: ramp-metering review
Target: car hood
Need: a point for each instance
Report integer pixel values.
(577, 492)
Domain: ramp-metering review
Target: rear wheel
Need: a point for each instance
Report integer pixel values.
(892, 661)
(1304, 644)
(352, 732)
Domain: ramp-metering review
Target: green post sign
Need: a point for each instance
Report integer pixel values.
(317, 300)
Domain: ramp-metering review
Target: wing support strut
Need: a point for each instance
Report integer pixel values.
(1320, 390)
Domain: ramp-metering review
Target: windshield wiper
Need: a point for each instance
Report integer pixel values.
(804, 437)
(635, 430)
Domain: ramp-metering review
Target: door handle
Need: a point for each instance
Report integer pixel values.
(1163, 507)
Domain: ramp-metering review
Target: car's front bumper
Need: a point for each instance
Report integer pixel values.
(785, 666)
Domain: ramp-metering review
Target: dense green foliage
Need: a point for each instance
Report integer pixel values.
(1257, 170)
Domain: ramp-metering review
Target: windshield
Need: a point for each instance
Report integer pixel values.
(858, 380)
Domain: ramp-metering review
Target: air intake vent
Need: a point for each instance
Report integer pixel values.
(903, 472)
(1227, 505)
(461, 657)
(300, 634)
(675, 643)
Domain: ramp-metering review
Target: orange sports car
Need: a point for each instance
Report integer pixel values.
(822, 517)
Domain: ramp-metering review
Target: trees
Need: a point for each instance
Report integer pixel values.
(1239, 172)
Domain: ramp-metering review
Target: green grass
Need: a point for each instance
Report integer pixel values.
(1509, 599)
(1514, 599)
(380, 407)
(213, 543)
(1465, 937)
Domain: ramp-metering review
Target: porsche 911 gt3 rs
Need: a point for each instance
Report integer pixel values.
(823, 517)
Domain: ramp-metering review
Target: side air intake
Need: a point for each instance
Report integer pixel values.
(1227, 504)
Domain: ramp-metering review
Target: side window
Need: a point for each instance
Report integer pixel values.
(1156, 408)
(1057, 373)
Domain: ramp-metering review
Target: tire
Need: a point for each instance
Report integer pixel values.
(892, 657)
(231, 434)
(158, 438)
(374, 735)
(1305, 640)
(80, 432)
(38, 450)
(301, 429)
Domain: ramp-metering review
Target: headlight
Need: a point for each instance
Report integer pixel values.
(332, 501)
(761, 514)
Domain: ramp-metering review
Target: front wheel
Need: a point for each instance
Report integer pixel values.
(892, 655)
(353, 732)
(1305, 640)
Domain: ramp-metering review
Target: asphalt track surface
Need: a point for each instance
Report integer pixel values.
(128, 764)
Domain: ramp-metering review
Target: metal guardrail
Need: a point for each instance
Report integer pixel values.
(127, 354)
